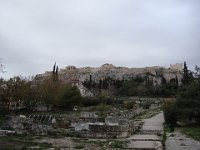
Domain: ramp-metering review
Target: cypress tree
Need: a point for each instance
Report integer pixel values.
(187, 75)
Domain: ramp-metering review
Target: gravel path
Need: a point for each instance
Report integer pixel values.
(178, 141)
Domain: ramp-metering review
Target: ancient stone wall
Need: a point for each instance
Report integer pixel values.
(104, 135)
(106, 131)
(107, 128)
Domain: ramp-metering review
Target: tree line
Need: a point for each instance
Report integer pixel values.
(54, 94)
(50, 92)
(134, 86)
(186, 107)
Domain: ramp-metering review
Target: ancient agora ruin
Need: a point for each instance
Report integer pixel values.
(103, 108)
(116, 124)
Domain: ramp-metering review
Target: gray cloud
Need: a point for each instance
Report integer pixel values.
(34, 34)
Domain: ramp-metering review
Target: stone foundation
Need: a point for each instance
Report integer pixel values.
(105, 131)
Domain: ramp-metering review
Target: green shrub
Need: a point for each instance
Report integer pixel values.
(193, 132)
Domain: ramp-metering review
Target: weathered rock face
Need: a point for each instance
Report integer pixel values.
(74, 75)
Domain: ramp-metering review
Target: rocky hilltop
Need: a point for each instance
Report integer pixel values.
(74, 75)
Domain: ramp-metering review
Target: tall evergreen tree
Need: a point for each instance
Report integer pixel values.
(187, 75)
(55, 72)
(197, 73)
(54, 68)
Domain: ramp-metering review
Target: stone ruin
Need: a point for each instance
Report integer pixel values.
(91, 126)
(82, 123)
(89, 115)
(43, 119)
(116, 126)
(34, 124)
(114, 120)
(102, 130)
(119, 124)
(7, 132)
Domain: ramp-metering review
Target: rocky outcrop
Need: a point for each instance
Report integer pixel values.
(76, 76)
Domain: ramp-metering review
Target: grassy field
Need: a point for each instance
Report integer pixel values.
(193, 132)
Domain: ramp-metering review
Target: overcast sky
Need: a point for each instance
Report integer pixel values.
(133, 33)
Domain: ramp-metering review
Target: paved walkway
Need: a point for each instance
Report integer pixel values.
(154, 124)
(148, 137)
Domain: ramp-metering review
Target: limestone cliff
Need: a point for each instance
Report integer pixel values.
(74, 75)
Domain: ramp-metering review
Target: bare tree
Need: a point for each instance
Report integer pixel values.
(1, 66)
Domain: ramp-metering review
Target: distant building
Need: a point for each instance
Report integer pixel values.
(177, 66)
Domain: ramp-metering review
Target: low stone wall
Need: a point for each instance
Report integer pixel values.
(7, 132)
(22, 125)
(104, 135)
(91, 120)
(105, 131)
(43, 119)
(109, 128)
(83, 123)
(80, 126)
(116, 120)
(136, 126)
(89, 115)
(39, 129)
